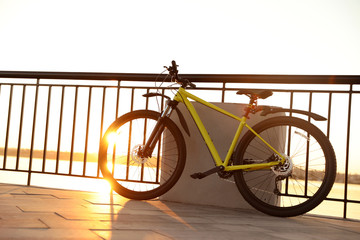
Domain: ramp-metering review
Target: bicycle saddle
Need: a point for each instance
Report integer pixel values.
(259, 93)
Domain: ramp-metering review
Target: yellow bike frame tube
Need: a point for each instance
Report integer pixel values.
(256, 166)
(235, 140)
(182, 96)
(251, 167)
(267, 144)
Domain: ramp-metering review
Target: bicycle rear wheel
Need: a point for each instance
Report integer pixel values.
(137, 177)
(302, 182)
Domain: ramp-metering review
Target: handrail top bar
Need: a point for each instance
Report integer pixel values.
(229, 78)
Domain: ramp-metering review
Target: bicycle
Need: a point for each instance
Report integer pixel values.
(283, 166)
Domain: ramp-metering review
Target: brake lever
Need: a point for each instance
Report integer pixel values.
(190, 83)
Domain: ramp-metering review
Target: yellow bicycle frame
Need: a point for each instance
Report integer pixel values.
(183, 96)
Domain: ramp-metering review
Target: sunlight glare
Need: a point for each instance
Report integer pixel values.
(165, 209)
(103, 186)
(109, 166)
(111, 138)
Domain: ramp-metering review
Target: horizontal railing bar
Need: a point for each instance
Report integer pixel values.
(342, 200)
(50, 173)
(74, 175)
(174, 88)
(327, 198)
(245, 78)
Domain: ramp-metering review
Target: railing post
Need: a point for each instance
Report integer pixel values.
(20, 127)
(8, 126)
(347, 152)
(33, 132)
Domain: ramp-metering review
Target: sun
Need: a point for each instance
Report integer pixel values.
(111, 138)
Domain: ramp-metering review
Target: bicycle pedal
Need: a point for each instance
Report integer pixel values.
(198, 175)
(201, 175)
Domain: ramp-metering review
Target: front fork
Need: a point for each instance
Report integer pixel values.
(158, 129)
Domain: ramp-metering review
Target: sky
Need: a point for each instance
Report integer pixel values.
(203, 36)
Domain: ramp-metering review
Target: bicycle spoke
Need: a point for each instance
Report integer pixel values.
(137, 175)
(289, 191)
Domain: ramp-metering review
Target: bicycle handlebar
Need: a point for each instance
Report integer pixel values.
(173, 71)
(174, 66)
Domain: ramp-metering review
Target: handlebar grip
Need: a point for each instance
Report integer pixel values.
(174, 66)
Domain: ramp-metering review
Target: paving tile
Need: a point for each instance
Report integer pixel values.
(24, 220)
(102, 208)
(240, 228)
(316, 234)
(189, 220)
(105, 199)
(352, 226)
(124, 219)
(131, 235)
(30, 196)
(86, 216)
(8, 208)
(48, 207)
(23, 223)
(156, 226)
(53, 193)
(57, 222)
(105, 215)
(215, 235)
(63, 194)
(41, 213)
(23, 215)
(4, 189)
(30, 234)
(263, 221)
(159, 214)
(139, 217)
(165, 226)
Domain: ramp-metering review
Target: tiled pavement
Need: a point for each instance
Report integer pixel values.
(43, 213)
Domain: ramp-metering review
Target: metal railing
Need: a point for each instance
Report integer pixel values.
(52, 122)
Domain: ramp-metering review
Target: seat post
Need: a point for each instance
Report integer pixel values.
(251, 107)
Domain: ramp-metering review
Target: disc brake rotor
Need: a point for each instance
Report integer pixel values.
(135, 154)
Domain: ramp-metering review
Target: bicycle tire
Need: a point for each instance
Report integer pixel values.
(313, 172)
(141, 178)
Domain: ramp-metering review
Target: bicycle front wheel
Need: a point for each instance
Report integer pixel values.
(131, 175)
(302, 182)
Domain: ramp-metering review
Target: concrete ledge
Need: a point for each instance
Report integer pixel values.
(211, 190)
